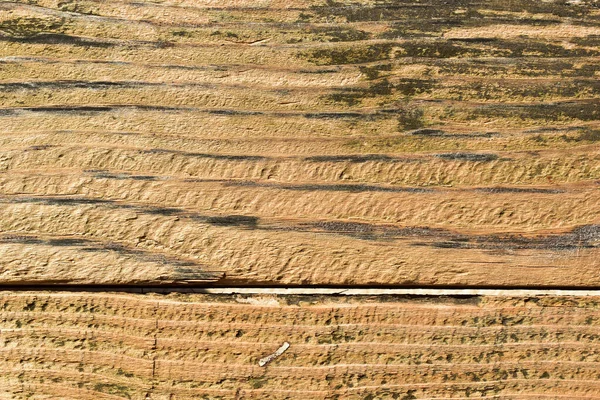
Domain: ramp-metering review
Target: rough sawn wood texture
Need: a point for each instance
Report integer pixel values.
(300, 142)
(116, 346)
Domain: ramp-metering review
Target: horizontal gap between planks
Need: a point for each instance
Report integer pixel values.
(339, 291)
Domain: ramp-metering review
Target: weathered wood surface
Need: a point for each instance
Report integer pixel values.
(110, 346)
(300, 142)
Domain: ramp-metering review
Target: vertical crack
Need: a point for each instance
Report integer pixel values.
(153, 350)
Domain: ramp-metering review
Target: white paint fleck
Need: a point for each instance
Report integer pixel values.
(280, 351)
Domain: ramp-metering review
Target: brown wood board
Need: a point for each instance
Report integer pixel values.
(110, 346)
(300, 143)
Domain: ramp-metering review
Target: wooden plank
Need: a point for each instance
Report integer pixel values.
(304, 142)
(103, 345)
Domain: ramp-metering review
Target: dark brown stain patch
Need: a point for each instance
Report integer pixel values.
(356, 158)
(224, 157)
(184, 269)
(475, 157)
(500, 189)
(85, 110)
(351, 188)
(584, 110)
(241, 221)
(527, 67)
(587, 236)
(59, 38)
(432, 11)
(103, 174)
(442, 49)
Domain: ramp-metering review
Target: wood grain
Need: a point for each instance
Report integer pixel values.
(111, 346)
(303, 142)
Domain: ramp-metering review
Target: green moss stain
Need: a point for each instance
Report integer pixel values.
(381, 89)
(23, 27)
(338, 34)
(442, 49)
(353, 96)
(348, 55)
(372, 72)
(124, 373)
(388, 10)
(558, 111)
(410, 117)
(113, 388)
(75, 6)
(257, 383)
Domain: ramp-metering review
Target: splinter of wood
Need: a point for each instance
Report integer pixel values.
(264, 361)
